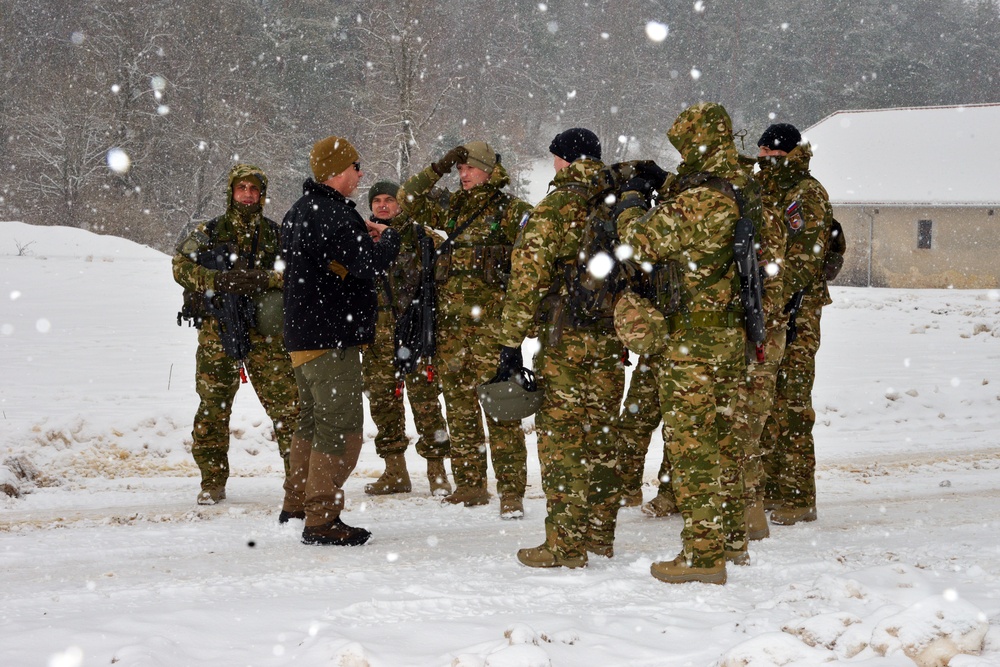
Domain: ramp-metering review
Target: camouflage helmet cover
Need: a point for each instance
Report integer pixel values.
(640, 325)
(243, 171)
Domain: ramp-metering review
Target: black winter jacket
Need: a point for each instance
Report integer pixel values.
(331, 264)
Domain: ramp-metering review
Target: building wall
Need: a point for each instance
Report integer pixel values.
(882, 246)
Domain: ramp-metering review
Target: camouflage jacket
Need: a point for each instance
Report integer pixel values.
(466, 289)
(235, 229)
(549, 237)
(694, 226)
(800, 203)
(771, 236)
(398, 285)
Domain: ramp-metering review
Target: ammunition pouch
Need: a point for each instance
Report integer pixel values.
(489, 263)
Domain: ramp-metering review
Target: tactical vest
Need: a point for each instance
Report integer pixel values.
(487, 260)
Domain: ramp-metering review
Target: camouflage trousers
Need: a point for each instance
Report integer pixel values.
(697, 400)
(386, 405)
(583, 381)
(756, 398)
(468, 358)
(788, 448)
(639, 419)
(217, 379)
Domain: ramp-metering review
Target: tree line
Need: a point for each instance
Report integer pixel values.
(185, 88)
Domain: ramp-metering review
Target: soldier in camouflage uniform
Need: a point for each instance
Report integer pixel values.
(471, 271)
(383, 389)
(787, 445)
(756, 395)
(639, 419)
(703, 362)
(579, 367)
(255, 240)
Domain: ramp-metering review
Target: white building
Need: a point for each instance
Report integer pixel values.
(916, 190)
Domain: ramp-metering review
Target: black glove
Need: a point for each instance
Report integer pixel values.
(510, 362)
(456, 155)
(242, 282)
(652, 172)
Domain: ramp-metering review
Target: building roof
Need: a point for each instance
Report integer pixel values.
(927, 155)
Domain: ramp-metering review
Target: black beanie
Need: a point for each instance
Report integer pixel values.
(780, 137)
(575, 143)
(382, 188)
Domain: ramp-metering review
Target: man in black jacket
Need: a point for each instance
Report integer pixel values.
(332, 260)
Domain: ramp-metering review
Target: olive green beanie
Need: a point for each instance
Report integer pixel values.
(481, 156)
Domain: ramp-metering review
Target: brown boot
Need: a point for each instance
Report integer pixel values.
(469, 496)
(789, 516)
(437, 476)
(212, 495)
(541, 556)
(757, 527)
(660, 506)
(632, 498)
(738, 557)
(511, 507)
(395, 479)
(677, 571)
(606, 550)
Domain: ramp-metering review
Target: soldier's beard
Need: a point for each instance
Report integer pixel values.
(770, 161)
(247, 210)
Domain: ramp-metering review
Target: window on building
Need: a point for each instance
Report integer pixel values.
(924, 234)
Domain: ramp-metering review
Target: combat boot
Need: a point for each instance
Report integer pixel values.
(335, 533)
(660, 506)
(632, 498)
(738, 557)
(437, 476)
(789, 516)
(542, 556)
(211, 495)
(677, 571)
(284, 516)
(470, 496)
(511, 507)
(395, 479)
(757, 526)
(606, 550)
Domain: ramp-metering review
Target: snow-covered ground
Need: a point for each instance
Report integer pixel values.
(107, 560)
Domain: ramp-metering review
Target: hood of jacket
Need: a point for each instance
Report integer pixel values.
(703, 135)
(240, 172)
(784, 172)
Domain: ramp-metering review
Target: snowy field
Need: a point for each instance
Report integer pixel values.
(106, 559)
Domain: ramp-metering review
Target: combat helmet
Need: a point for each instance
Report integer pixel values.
(513, 399)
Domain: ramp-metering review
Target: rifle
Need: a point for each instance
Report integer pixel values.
(416, 328)
(235, 314)
(792, 309)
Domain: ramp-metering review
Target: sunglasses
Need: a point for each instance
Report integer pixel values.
(356, 165)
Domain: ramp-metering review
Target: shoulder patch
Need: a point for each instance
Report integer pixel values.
(524, 219)
(793, 217)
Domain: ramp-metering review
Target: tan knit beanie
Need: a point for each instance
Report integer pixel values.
(330, 157)
(481, 156)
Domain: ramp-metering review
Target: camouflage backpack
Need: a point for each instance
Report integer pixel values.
(603, 269)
